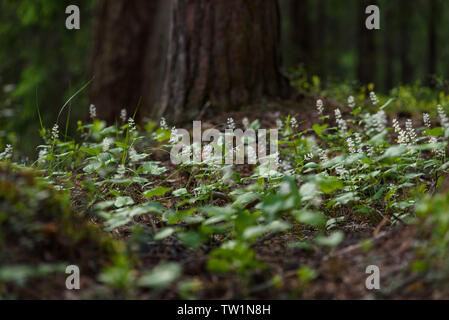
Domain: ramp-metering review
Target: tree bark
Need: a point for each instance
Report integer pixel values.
(404, 44)
(128, 54)
(301, 31)
(366, 47)
(222, 53)
(434, 16)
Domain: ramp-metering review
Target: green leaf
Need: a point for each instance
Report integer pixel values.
(435, 132)
(164, 234)
(123, 201)
(319, 129)
(331, 241)
(161, 276)
(156, 192)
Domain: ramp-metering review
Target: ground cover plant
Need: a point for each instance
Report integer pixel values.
(355, 186)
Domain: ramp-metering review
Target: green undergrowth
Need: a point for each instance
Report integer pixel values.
(354, 170)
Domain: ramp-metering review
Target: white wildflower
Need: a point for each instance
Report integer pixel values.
(410, 131)
(186, 155)
(7, 154)
(351, 145)
(231, 124)
(131, 125)
(294, 123)
(245, 123)
(443, 117)
(92, 111)
(351, 102)
(341, 171)
(380, 121)
(340, 122)
(320, 106)
(440, 152)
(403, 137)
(163, 124)
(55, 132)
(373, 98)
(106, 144)
(359, 142)
(42, 156)
(174, 137)
(123, 115)
(323, 155)
(308, 156)
(426, 118)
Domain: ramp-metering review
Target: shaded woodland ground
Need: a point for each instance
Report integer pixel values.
(361, 173)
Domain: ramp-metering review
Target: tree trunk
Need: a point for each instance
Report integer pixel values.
(128, 54)
(389, 45)
(301, 31)
(366, 47)
(222, 53)
(404, 44)
(434, 16)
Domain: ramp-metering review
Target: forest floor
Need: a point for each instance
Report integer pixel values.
(289, 263)
(340, 272)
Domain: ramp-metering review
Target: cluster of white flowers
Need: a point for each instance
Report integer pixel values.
(351, 102)
(131, 126)
(341, 171)
(308, 156)
(443, 117)
(294, 123)
(359, 142)
(320, 106)
(55, 132)
(380, 121)
(411, 133)
(42, 156)
(403, 137)
(426, 118)
(7, 154)
(323, 155)
(231, 123)
(92, 111)
(440, 152)
(351, 145)
(123, 115)
(186, 155)
(174, 137)
(370, 151)
(163, 124)
(340, 122)
(373, 98)
(106, 144)
(376, 122)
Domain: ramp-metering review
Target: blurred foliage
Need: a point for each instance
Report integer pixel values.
(40, 235)
(41, 64)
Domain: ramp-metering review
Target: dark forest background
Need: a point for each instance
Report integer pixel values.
(42, 64)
